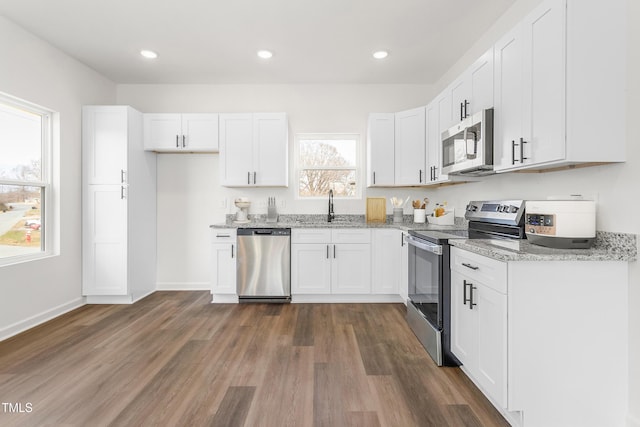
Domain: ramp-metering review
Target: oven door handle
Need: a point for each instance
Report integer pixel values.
(424, 245)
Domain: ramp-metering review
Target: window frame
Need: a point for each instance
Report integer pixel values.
(329, 136)
(47, 196)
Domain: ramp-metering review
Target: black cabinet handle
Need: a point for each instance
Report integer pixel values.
(374, 178)
(402, 239)
(471, 303)
(420, 176)
(232, 251)
(513, 152)
(461, 107)
(184, 144)
(522, 157)
(464, 292)
(248, 178)
(327, 251)
(466, 104)
(473, 267)
(334, 251)
(254, 177)
(177, 143)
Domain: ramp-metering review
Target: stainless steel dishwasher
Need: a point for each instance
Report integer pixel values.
(263, 265)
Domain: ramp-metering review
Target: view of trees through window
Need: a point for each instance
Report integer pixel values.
(21, 180)
(327, 162)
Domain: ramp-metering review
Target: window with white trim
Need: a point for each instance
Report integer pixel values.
(328, 162)
(25, 182)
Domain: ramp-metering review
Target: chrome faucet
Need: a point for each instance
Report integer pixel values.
(331, 215)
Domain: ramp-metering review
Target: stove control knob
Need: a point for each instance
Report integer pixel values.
(514, 209)
(532, 230)
(472, 208)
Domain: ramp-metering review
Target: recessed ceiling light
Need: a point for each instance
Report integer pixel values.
(381, 54)
(265, 54)
(149, 54)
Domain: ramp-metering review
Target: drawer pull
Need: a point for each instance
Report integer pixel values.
(473, 267)
(223, 235)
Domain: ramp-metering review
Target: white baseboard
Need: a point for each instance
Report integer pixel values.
(632, 421)
(183, 286)
(38, 319)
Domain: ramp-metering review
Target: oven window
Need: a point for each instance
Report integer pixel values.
(425, 277)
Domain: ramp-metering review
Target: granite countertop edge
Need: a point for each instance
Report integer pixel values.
(530, 252)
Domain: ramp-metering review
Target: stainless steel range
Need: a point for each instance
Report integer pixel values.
(429, 308)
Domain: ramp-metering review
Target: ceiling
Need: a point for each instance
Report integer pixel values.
(214, 41)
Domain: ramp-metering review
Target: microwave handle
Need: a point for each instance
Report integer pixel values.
(475, 143)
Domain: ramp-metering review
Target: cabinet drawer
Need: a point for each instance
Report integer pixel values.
(490, 272)
(223, 235)
(351, 235)
(311, 235)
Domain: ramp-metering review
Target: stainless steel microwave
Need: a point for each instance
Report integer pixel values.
(467, 148)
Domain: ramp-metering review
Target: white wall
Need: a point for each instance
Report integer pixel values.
(35, 71)
(190, 197)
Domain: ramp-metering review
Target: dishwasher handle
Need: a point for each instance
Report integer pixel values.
(264, 231)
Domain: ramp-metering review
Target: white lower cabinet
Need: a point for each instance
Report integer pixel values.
(545, 341)
(325, 261)
(223, 265)
(479, 330)
(387, 268)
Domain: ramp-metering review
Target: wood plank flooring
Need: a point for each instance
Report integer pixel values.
(174, 359)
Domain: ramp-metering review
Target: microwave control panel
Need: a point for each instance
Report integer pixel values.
(544, 224)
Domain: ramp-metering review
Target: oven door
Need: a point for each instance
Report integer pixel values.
(425, 279)
(425, 309)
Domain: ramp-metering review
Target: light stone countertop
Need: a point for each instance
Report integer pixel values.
(523, 250)
(608, 247)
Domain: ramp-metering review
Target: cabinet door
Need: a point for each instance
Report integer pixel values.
(480, 79)
(105, 241)
(310, 269)
(544, 83)
(463, 324)
(508, 99)
(200, 132)
(380, 149)
(351, 269)
(445, 114)
(410, 142)
(104, 139)
(387, 261)
(236, 150)
(223, 268)
(491, 356)
(460, 93)
(434, 143)
(271, 149)
(162, 132)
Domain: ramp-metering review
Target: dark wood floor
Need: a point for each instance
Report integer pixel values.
(175, 359)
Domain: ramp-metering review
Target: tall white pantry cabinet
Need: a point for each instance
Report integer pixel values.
(118, 207)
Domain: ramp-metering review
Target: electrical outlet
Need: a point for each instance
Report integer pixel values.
(222, 204)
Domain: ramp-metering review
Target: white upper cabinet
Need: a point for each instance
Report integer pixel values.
(104, 139)
(270, 149)
(471, 92)
(254, 150)
(410, 147)
(181, 132)
(380, 149)
(547, 86)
